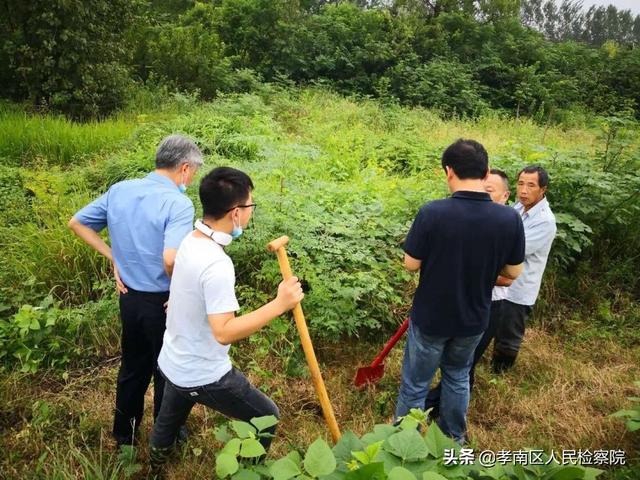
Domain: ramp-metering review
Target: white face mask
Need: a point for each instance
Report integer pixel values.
(220, 238)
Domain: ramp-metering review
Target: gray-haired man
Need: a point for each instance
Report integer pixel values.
(147, 219)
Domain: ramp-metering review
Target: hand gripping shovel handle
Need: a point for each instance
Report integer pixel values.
(390, 344)
(278, 246)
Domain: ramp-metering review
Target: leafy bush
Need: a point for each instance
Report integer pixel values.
(445, 85)
(631, 415)
(387, 452)
(49, 336)
(188, 54)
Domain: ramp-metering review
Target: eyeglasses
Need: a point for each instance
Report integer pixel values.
(251, 205)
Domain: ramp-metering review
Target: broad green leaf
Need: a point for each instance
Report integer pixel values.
(295, 457)
(222, 434)
(408, 445)
(632, 425)
(226, 465)
(362, 457)
(262, 423)
(409, 423)
(348, 443)
(400, 473)
(436, 441)
(592, 473)
(373, 471)
(245, 474)
(319, 459)
(567, 473)
(243, 429)
(251, 448)
(232, 447)
(373, 450)
(432, 476)
(624, 413)
(284, 469)
(380, 432)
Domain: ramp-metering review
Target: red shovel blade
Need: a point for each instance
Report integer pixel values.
(367, 375)
(374, 372)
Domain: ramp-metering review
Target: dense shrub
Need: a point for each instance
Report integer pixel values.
(67, 56)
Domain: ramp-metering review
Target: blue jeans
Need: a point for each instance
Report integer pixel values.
(423, 355)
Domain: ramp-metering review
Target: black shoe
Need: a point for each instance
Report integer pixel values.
(158, 458)
(502, 362)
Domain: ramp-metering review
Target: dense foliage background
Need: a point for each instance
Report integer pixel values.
(548, 60)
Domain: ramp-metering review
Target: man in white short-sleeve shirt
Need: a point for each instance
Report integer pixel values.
(201, 321)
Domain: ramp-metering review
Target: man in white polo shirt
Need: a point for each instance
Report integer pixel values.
(540, 230)
(201, 323)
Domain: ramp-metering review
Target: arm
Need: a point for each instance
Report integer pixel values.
(179, 226)
(95, 241)
(538, 237)
(90, 237)
(227, 328)
(511, 271)
(411, 264)
(169, 259)
(503, 281)
(415, 245)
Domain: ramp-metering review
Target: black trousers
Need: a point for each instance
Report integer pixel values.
(232, 395)
(511, 327)
(143, 323)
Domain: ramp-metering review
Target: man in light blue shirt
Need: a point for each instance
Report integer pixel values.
(540, 230)
(147, 220)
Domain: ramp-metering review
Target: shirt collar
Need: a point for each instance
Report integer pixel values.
(535, 210)
(156, 177)
(468, 195)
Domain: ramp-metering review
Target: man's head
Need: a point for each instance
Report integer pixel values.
(180, 156)
(532, 185)
(465, 160)
(225, 193)
(497, 186)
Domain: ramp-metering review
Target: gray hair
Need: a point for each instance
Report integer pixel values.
(175, 150)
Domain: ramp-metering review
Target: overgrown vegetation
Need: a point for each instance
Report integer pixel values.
(462, 57)
(343, 178)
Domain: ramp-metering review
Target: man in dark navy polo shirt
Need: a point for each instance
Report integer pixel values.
(460, 245)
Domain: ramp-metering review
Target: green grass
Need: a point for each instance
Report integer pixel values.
(32, 139)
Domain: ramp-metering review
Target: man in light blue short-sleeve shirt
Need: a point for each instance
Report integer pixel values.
(147, 218)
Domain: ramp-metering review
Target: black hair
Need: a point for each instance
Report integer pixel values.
(543, 176)
(502, 175)
(222, 189)
(467, 158)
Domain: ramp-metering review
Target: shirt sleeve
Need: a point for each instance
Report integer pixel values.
(180, 224)
(415, 245)
(218, 286)
(516, 256)
(539, 236)
(94, 215)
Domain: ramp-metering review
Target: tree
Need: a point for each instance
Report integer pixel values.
(69, 56)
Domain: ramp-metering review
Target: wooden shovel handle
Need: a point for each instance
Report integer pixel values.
(327, 410)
